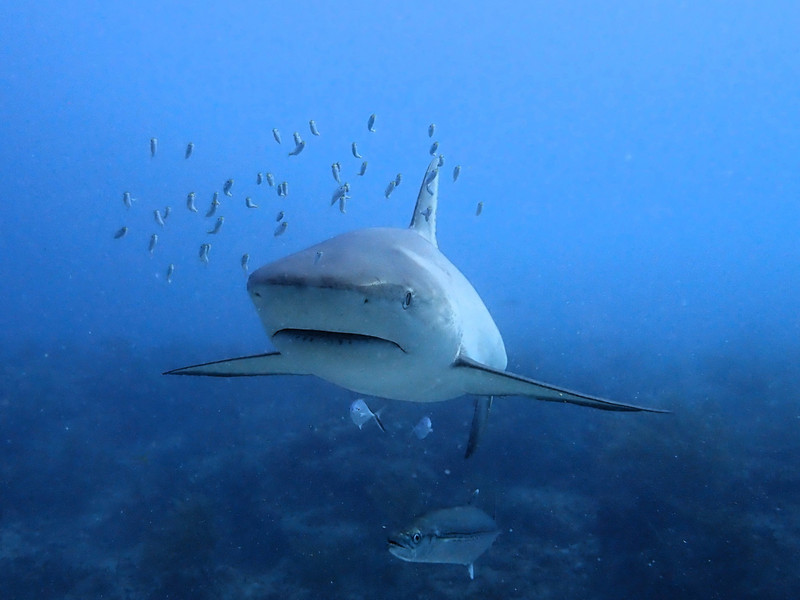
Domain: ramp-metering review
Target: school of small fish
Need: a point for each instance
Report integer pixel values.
(340, 196)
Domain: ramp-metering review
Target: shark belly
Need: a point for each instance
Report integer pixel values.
(367, 365)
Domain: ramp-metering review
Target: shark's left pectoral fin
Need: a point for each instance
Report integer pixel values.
(483, 380)
(272, 363)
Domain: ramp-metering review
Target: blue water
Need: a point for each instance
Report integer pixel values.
(638, 164)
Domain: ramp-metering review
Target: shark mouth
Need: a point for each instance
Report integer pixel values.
(332, 338)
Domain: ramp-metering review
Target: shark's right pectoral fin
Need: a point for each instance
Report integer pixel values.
(483, 380)
(272, 363)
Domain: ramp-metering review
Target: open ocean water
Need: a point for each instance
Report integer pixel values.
(638, 165)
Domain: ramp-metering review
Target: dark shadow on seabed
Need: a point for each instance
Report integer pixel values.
(121, 483)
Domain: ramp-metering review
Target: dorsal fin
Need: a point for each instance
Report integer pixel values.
(423, 221)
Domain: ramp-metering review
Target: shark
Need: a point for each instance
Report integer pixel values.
(382, 312)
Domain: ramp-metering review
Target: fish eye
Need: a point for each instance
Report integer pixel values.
(417, 537)
(407, 300)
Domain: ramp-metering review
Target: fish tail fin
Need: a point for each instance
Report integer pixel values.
(378, 421)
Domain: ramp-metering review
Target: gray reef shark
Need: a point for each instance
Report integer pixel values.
(381, 311)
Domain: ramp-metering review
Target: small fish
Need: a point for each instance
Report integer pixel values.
(167, 211)
(153, 146)
(259, 178)
(336, 169)
(456, 172)
(297, 139)
(434, 148)
(398, 179)
(189, 149)
(279, 217)
(390, 188)
(479, 209)
(283, 189)
(355, 150)
(204, 250)
(343, 204)
(429, 180)
(339, 192)
(153, 243)
(157, 216)
(457, 535)
(363, 168)
(298, 148)
(217, 226)
(427, 214)
(281, 228)
(248, 202)
(127, 200)
(313, 127)
(423, 428)
(431, 129)
(245, 262)
(270, 179)
(317, 256)
(190, 201)
(121, 233)
(226, 189)
(441, 160)
(371, 124)
(277, 135)
(360, 413)
(170, 271)
(214, 204)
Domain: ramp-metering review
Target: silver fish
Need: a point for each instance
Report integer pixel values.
(170, 271)
(277, 135)
(270, 179)
(248, 202)
(157, 216)
(259, 179)
(343, 204)
(226, 189)
(423, 428)
(434, 148)
(297, 139)
(360, 414)
(363, 168)
(313, 127)
(204, 250)
(431, 129)
(336, 169)
(214, 204)
(456, 172)
(390, 188)
(217, 226)
(354, 148)
(339, 192)
(189, 149)
(479, 209)
(127, 200)
(298, 148)
(153, 242)
(457, 535)
(281, 228)
(371, 124)
(153, 146)
(283, 189)
(398, 179)
(245, 262)
(190, 202)
(167, 211)
(279, 217)
(121, 233)
(441, 160)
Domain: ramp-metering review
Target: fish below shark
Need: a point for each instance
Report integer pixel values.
(381, 311)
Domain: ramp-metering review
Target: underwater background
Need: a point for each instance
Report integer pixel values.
(639, 169)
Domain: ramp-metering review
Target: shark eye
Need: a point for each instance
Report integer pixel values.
(416, 537)
(407, 300)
